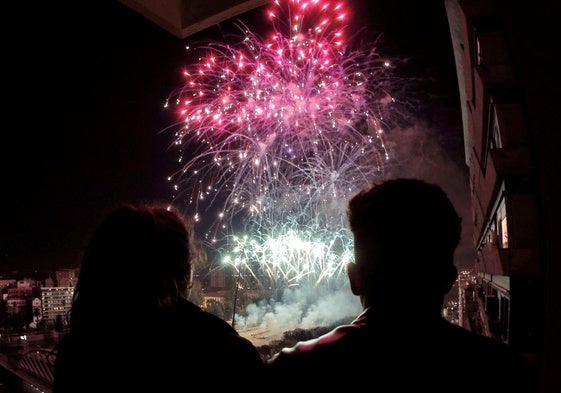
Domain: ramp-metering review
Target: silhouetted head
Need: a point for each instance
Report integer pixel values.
(405, 235)
(137, 261)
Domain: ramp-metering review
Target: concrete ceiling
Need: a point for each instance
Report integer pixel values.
(183, 18)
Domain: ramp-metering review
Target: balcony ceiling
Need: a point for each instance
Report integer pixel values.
(183, 18)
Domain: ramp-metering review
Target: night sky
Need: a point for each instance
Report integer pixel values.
(85, 118)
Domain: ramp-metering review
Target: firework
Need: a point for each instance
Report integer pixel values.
(276, 134)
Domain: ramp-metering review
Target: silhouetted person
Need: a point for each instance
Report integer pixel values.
(405, 235)
(131, 325)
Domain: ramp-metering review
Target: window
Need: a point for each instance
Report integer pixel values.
(495, 142)
(502, 224)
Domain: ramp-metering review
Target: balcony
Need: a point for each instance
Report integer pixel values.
(508, 261)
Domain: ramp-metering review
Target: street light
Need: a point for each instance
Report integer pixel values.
(235, 300)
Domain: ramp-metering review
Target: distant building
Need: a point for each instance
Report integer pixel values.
(217, 279)
(6, 282)
(214, 297)
(49, 282)
(18, 297)
(37, 310)
(56, 303)
(66, 277)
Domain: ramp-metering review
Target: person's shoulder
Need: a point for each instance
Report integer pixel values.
(214, 338)
(195, 317)
(469, 339)
(490, 352)
(206, 324)
(326, 349)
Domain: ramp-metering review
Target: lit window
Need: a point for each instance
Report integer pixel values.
(502, 224)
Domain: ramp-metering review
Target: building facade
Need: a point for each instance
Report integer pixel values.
(508, 90)
(67, 277)
(56, 303)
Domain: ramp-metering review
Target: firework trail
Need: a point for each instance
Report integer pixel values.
(276, 134)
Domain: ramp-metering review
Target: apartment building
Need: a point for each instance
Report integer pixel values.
(508, 93)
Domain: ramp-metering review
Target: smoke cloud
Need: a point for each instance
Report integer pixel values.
(420, 151)
(303, 307)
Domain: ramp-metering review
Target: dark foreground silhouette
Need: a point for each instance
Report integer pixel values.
(131, 326)
(405, 235)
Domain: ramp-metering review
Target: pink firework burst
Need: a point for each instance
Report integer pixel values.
(283, 128)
